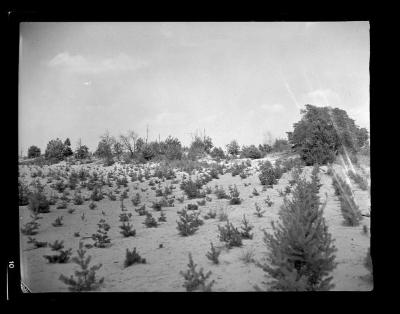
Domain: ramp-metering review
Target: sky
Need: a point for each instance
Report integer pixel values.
(235, 80)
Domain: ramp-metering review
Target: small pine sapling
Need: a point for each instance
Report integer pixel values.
(86, 277)
(246, 228)
(188, 224)
(101, 238)
(196, 280)
(36, 243)
(213, 254)
(202, 202)
(255, 192)
(58, 221)
(62, 257)
(133, 258)
(163, 217)
(150, 221)
(92, 205)
(141, 210)
(259, 212)
(234, 196)
(268, 201)
(30, 228)
(126, 230)
(56, 245)
(192, 207)
(230, 234)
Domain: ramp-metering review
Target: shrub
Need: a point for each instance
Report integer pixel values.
(250, 152)
(217, 153)
(23, 194)
(62, 257)
(133, 258)
(246, 228)
(85, 277)
(196, 280)
(213, 254)
(230, 235)
(268, 174)
(189, 223)
(301, 248)
(33, 151)
(101, 238)
(233, 148)
(126, 230)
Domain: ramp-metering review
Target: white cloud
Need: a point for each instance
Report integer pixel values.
(80, 64)
(273, 107)
(324, 97)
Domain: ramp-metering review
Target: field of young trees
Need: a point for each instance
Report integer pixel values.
(156, 216)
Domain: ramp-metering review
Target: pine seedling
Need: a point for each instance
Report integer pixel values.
(58, 222)
(124, 217)
(259, 212)
(222, 216)
(192, 207)
(230, 235)
(86, 277)
(255, 192)
(30, 228)
(163, 217)
(123, 208)
(126, 230)
(92, 205)
(78, 199)
(196, 280)
(111, 196)
(133, 258)
(150, 221)
(268, 201)
(56, 245)
(62, 257)
(83, 216)
(201, 203)
(62, 205)
(188, 224)
(211, 214)
(36, 243)
(246, 228)
(142, 210)
(213, 254)
(101, 238)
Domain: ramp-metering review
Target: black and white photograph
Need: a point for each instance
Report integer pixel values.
(194, 156)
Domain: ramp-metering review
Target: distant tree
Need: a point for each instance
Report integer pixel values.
(147, 152)
(104, 148)
(82, 152)
(217, 152)
(129, 140)
(197, 148)
(208, 144)
(250, 152)
(55, 150)
(33, 152)
(67, 151)
(139, 144)
(118, 149)
(280, 145)
(264, 149)
(233, 148)
(173, 148)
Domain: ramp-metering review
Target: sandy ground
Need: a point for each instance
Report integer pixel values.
(161, 272)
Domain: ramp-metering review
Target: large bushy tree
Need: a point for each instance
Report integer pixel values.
(233, 148)
(55, 150)
(324, 132)
(33, 152)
